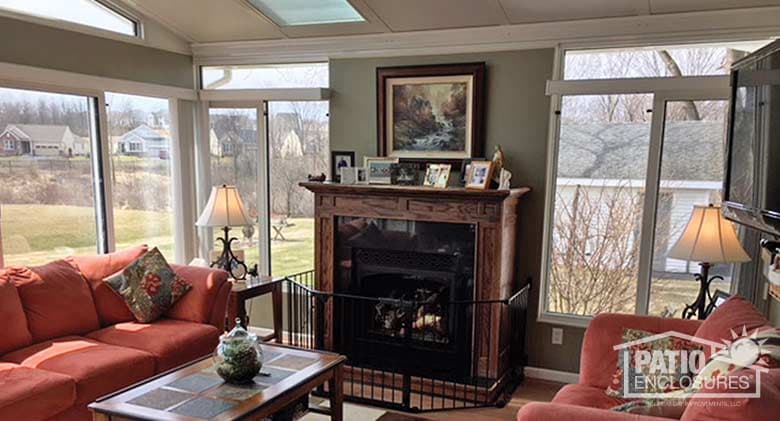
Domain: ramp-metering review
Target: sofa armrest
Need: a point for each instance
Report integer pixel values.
(539, 411)
(206, 302)
(598, 359)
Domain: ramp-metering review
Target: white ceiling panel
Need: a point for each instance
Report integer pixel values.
(525, 11)
(415, 15)
(677, 6)
(209, 20)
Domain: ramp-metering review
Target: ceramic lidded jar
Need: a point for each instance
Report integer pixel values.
(238, 357)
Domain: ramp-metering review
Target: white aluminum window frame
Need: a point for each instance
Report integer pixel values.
(663, 90)
(14, 76)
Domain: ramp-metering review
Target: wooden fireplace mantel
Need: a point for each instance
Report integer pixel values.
(494, 214)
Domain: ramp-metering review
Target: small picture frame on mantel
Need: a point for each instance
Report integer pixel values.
(479, 175)
(339, 160)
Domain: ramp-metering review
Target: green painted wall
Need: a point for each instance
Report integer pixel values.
(517, 115)
(52, 48)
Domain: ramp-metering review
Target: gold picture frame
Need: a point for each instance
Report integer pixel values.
(480, 174)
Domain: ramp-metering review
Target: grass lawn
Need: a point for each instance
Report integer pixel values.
(38, 234)
(292, 255)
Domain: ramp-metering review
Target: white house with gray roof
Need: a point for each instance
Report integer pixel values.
(603, 157)
(41, 140)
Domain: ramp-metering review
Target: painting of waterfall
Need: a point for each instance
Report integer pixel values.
(430, 117)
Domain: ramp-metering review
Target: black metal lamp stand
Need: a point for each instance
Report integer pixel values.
(227, 260)
(699, 307)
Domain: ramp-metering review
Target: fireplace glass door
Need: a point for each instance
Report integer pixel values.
(404, 284)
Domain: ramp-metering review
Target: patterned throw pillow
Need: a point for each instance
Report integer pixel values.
(149, 286)
(616, 387)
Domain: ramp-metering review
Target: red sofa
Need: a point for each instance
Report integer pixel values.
(587, 401)
(68, 339)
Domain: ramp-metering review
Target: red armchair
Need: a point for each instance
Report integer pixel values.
(587, 401)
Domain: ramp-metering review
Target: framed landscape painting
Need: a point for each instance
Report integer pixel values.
(431, 113)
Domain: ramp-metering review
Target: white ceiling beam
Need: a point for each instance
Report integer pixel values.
(711, 26)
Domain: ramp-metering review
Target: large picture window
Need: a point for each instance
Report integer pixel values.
(47, 200)
(140, 150)
(600, 181)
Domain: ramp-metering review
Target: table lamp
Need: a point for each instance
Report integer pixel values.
(225, 209)
(708, 238)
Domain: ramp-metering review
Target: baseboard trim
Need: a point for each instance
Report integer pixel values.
(551, 375)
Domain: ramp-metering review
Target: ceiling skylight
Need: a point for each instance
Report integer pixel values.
(85, 12)
(308, 12)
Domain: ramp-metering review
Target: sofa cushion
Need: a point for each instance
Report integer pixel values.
(97, 368)
(582, 395)
(111, 307)
(56, 300)
(30, 394)
(15, 333)
(198, 303)
(149, 285)
(171, 342)
(666, 381)
(766, 407)
(733, 315)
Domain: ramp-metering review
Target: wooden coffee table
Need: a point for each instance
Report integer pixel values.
(194, 392)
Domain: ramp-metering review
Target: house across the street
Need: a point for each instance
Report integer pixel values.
(601, 158)
(41, 140)
(144, 141)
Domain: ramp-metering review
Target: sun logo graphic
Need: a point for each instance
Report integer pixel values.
(674, 365)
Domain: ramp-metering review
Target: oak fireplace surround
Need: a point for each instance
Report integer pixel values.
(491, 216)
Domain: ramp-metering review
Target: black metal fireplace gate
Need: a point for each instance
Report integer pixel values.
(400, 368)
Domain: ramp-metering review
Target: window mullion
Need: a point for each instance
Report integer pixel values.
(101, 173)
(263, 189)
(652, 187)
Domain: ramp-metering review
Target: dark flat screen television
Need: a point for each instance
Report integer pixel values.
(752, 183)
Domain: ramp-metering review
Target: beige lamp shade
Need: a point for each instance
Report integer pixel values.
(224, 209)
(709, 238)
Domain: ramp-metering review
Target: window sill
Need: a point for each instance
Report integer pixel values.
(564, 319)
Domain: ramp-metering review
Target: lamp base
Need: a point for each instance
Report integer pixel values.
(228, 261)
(699, 307)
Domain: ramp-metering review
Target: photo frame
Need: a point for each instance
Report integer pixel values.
(338, 160)
(480, 175)
(431, 113)
(437, 175)
(361, 175)
(405, 174)
(347, 175)
(379, 170)
(431, 175)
